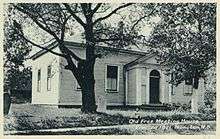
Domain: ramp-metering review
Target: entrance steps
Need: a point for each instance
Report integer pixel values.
(141, 107)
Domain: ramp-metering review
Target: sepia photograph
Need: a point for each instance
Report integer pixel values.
(109, 68)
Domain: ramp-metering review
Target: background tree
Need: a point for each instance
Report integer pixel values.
(94, 22)
(210, 94)
(185, 41)
(16, 75)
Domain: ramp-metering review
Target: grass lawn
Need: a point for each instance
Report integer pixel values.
(35, 117)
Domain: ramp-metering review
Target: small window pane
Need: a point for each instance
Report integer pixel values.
(38, 80)
(49, 71)
(112, 72)
(114, 84)
(49, 78)
(38, 75)
(112, 78)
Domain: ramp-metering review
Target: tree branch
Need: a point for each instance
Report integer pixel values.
(61, 46)
(96, 8)
(74, 15)
(66, 53)
(43, 48)
(84, 7)
(142, 18)
(65, 50)
(113, 12)
(63, 28)
(76, 72)
(37, 22)
(43, 20)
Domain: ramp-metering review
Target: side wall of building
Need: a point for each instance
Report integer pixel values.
(43, 95)
(131, 95)
(70, 95)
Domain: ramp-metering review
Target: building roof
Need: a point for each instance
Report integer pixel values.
(140, 60)
(71, 44)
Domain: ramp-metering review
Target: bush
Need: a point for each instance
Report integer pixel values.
(178, 106)
(207, 113)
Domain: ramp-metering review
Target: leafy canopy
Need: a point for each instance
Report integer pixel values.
(185, 40)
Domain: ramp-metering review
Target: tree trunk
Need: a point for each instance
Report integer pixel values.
(88, 99)
(195, 96)
(88, 92)
(7, 103)
(194, 102)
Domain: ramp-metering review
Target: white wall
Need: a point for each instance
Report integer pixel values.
(180, 92)
(70, 96)
(64, 89)
(45, 96)
(131, 87)
(138, 85)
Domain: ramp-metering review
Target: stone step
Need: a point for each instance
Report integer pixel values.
(142, 107)
(154, 107)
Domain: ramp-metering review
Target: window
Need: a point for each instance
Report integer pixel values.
(187, 90)
(155, 74)
(112, 78)
(38, 80)
(49, 78)
(188, 87)
(188, 81)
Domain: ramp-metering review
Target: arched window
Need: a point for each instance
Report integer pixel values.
(155, 73)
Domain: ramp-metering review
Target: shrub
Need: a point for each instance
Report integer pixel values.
(177, 106)
(207, 113)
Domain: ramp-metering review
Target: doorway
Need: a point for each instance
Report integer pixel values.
(154, 87)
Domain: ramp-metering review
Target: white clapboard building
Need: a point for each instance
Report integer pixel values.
(129, 78)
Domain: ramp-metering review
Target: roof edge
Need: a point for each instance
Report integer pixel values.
(71, 44)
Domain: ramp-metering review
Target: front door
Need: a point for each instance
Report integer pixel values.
(154, 87)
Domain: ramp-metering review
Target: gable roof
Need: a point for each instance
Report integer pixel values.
(71, 44)
(140, 59)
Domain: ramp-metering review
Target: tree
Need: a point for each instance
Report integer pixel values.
(16, 75)
(210, 94)
(185, 41)
(94, 21)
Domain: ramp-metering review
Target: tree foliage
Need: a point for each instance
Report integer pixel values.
(16, 75)
(185, 40)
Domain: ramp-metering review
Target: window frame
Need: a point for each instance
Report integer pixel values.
(38, 80)
(189, 82)
(49, 78)
(106, 80)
